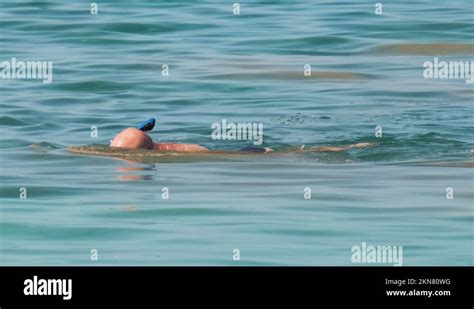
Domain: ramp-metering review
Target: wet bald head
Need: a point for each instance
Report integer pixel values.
(132, 138)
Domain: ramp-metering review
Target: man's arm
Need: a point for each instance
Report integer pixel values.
(337, 148)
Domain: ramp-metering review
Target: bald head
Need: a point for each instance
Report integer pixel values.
(132, 138)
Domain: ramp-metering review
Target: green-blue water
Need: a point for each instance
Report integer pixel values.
(367, 70)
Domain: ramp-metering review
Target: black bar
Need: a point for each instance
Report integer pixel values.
(240, 285)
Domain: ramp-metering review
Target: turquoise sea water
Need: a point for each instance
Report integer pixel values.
(367, 70)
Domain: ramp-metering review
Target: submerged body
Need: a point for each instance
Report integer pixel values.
(136, 144)
(132, 138)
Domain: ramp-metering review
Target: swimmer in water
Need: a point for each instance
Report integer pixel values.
(136, 138)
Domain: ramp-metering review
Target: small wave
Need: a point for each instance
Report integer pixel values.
(289, 75)
(319, 42)
(424, 49)
(441, 164)
(93, 86)
(148, 28)
(12, 122)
